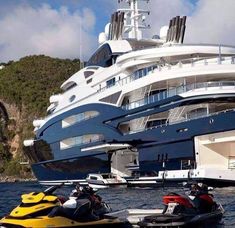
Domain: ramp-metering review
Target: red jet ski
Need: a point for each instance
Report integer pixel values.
(198, 208)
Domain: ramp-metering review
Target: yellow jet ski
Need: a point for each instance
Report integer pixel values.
(44, 209)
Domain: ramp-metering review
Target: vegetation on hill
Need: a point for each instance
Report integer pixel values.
(25, 88)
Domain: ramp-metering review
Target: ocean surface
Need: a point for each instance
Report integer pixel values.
(119, 198)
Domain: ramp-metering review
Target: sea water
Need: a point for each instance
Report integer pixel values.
(119, 198)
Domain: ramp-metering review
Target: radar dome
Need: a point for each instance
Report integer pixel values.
(102, 38)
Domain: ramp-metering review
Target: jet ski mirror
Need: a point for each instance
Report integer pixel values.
(210, 188)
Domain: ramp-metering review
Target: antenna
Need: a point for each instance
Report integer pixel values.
(126, 20)
(80, 44)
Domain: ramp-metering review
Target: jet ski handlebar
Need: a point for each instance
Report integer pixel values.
(51, 189)
(194, 186)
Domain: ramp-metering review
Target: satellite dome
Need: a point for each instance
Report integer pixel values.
(102, 38)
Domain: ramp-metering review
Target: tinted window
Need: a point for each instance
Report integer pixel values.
(102, 57)
(110, 82)
(88, 73)
(93, 178)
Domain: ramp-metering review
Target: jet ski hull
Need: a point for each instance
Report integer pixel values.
(44, 210)
(181, 220)
(59, 222)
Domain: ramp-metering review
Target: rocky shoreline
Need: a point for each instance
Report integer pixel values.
(11, 179)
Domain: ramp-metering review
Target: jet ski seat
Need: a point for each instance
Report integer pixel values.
(176, 198)
(81, 212)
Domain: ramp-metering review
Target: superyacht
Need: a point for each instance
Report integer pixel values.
(148, 110)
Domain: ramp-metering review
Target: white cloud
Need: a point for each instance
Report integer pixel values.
(58, 33)
(213, 21)
(161, 11)
(208, 21)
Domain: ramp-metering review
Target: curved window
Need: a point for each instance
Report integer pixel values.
(78, 118)
(69, 85)
(103, 57)
(80, 140)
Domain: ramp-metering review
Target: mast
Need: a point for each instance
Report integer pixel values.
(134, 19)
(128, 21)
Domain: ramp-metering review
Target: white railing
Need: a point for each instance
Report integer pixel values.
(180, 121)
(176, 91)
(192, 62)
(136, 75)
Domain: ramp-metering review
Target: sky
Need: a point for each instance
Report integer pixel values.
(70, 28)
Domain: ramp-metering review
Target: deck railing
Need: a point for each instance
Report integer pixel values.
(180, 121)
(191, 62)
(178, 90)
(136, 75)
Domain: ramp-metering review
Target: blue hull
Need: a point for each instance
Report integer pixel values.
(71, 169)
(172, 143)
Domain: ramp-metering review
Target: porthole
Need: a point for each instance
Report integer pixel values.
(72, 98)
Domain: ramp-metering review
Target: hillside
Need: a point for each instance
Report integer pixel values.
(25, 88)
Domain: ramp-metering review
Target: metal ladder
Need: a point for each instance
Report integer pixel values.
(176, 114)
(144, 120)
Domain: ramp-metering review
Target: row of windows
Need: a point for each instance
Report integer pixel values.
(79, 140)
(136, 75)
(69, 121)
(143, 72)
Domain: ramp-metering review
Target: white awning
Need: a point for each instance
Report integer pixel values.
(107, 147)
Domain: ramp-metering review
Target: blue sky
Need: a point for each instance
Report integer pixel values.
(101, 8)
(69, 28)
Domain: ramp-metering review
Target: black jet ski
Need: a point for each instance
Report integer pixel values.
(44, 209)
(198, 208)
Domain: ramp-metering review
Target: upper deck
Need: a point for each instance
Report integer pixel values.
(119, 61)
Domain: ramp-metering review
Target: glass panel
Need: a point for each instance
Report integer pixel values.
(69, 121)
(79, 140)
(213, 84)
(197, 113)
(228, 83)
